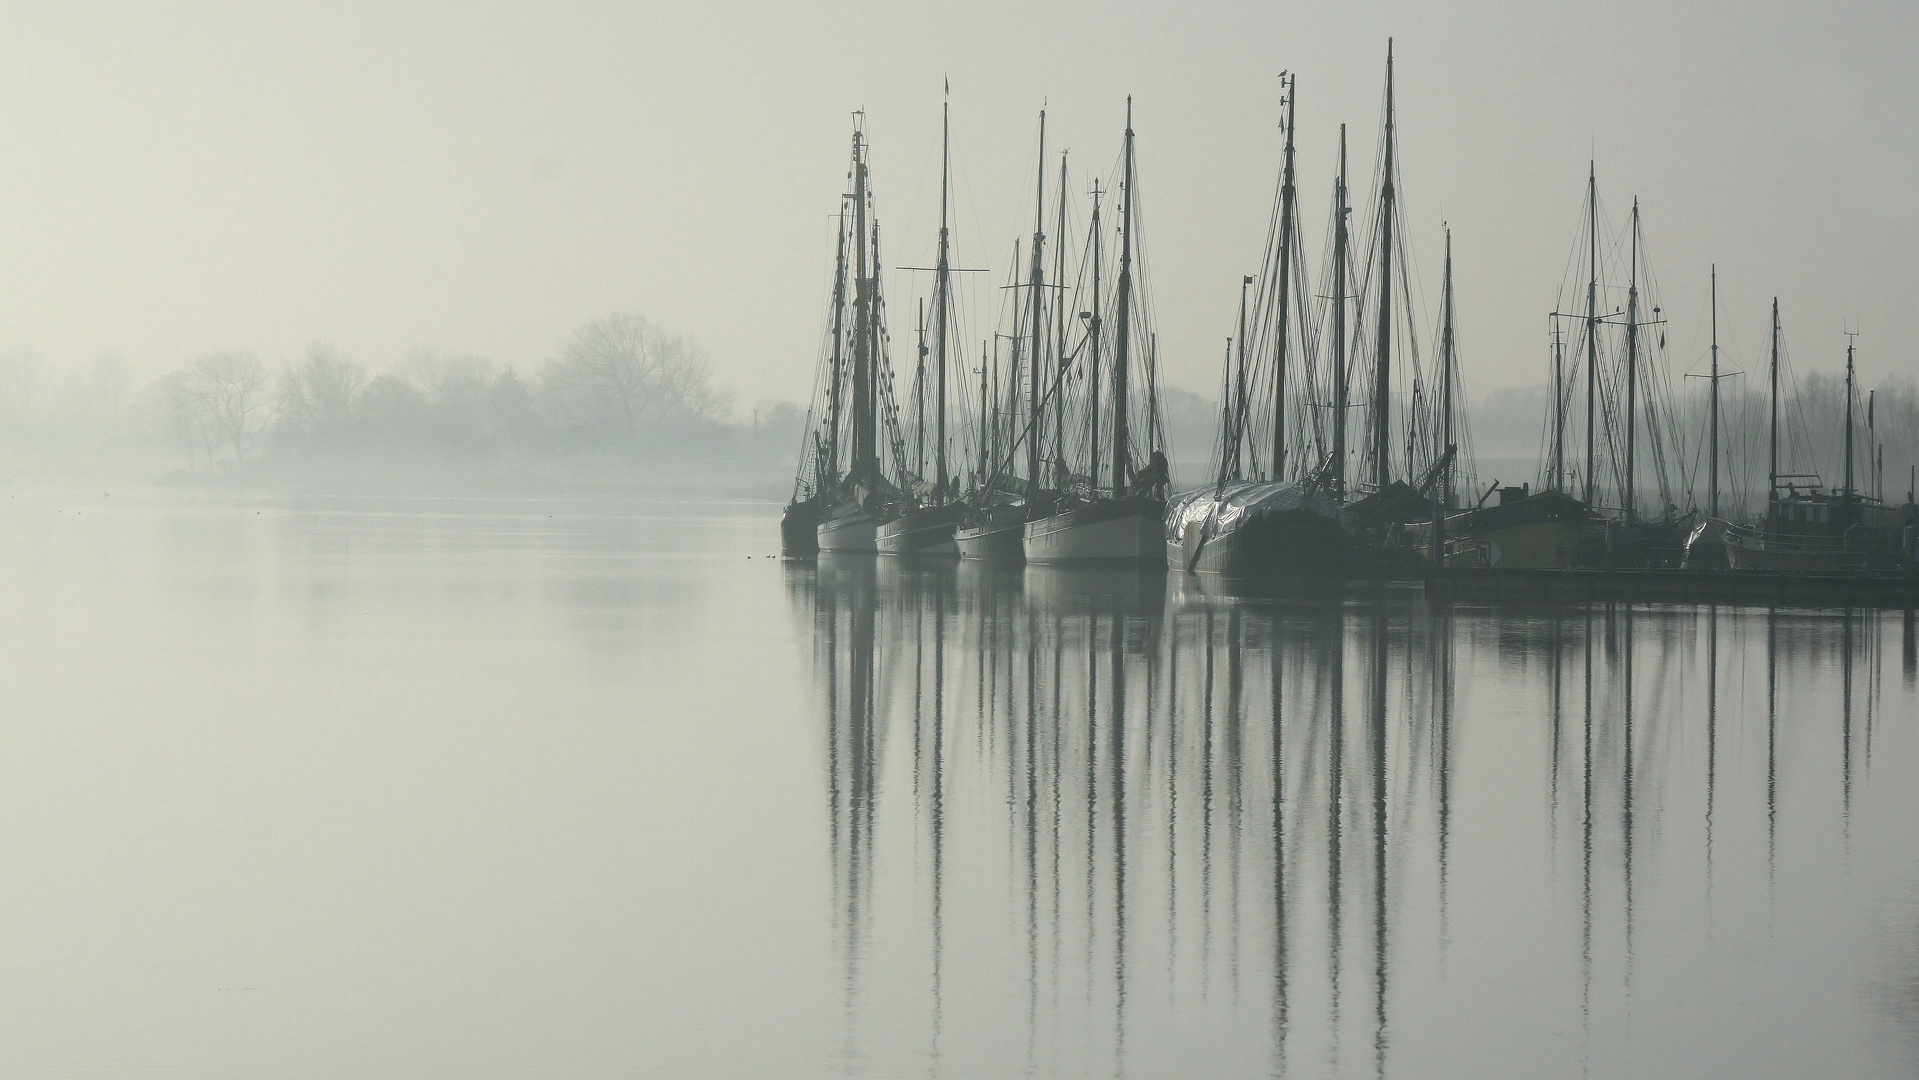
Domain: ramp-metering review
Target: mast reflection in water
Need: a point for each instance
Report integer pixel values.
(1093, 823)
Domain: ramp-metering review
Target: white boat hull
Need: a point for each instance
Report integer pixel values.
(849, 529)
(1112, 531)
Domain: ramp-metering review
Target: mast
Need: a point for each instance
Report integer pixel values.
(942, 286)
(919, 398)
(1559, 410)
(1125, 302)
(1712, 489)
(1448, 372)
(1592, 322)
(1237, 429)
(1059, 323)
(985, 411)
(1772, 455)
(1339, 323)
(1093, 327)
(1632, 371)
(1035, 285)
(1849, 340)
(1006, 408)
(865, 465)
(1287, 211)
(836, 391)
(1382, 367)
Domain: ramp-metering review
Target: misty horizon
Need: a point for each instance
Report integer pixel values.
(489, 177)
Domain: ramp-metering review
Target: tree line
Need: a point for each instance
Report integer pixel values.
(619, 388)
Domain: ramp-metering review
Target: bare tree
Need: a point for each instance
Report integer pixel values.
(622, 371)
(232, 389)
(318, 395)
(183, 413)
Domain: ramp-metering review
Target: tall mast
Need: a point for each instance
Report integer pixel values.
(1382, 367)
(1772, 456)
(986, 431)
(1035, 286)
(1005, 410)
(1712, 489)
(1632, 370)
(865, 466)
(1059, 323)
(1559, 410)
(1092, 379)
(1339, 323)
(919, 399)
(1287, 211)
(1125, 302)
(942, 285)
(835, 391)
(1592, 323)
(1849, 340)
(1237, 429)
(1448, 372)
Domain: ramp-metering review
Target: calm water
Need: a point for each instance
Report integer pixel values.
(592, 788)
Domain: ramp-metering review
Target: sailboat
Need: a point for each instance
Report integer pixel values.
(1807, 526)
(1258, 517)
(923, 522)
(1615, 367)
(1307, 523)
(839, 472)
(1119, 521)
(994, 523)
(852, 494)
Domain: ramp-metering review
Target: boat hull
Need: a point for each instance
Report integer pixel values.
(848, 528)
(1260, 529)
(1114, 531)
(995, 543)
(926, 532)
(800, 529)
(1748, 549)
(1538, 545)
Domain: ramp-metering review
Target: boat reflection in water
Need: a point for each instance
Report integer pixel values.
(1087, 822)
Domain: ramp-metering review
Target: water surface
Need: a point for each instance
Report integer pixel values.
(591, 787)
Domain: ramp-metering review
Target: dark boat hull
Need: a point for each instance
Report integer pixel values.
(1261, 529)
(799, 529)
(995, 542)
(1750, 549)
(925, 531)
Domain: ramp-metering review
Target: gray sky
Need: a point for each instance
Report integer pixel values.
(483, 176)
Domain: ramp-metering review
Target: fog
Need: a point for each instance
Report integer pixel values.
(482, 178)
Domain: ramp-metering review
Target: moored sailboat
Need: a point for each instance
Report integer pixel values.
(923, 522)
(1807, 526)
(1119, 521)
(994, 524)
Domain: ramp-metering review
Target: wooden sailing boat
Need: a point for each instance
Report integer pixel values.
(1627, 410)
(1298, 519)
(1525, 529)
(1394, 489)
(1261, 516)
(854, 495)
(1809, 527)
(839, 480)
(923, 522)
(994, 523)
(1118, 521)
